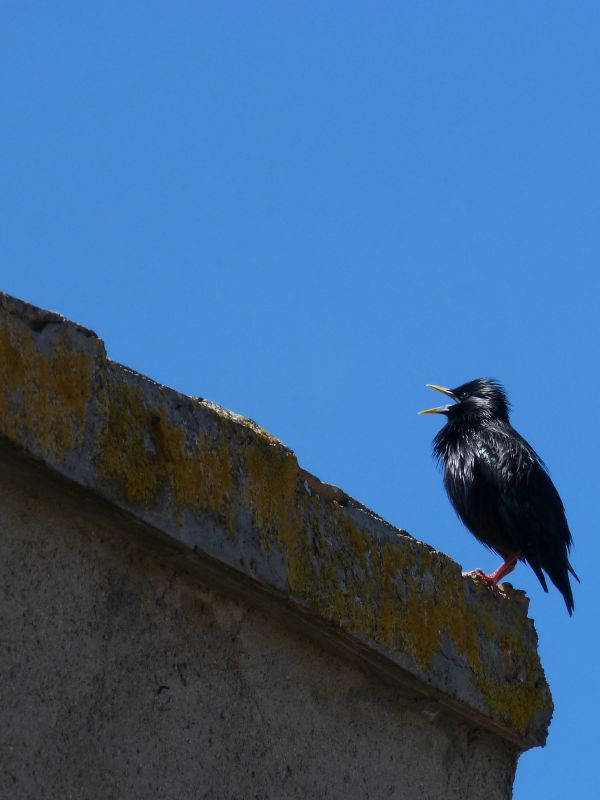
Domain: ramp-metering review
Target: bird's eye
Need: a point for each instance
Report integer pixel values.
(463, 395)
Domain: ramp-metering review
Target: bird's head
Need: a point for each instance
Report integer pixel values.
(480, 398)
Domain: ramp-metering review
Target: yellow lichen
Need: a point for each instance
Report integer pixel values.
(515, 699)
(43, 396)
(272, 473)
(127, 454)
(200, 472)
(144, 454)
(412, 601)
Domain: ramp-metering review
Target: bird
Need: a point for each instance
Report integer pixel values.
(499, 486)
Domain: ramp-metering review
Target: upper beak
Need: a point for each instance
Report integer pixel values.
(438, 409)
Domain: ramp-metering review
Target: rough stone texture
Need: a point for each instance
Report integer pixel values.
(124, 676)
(213, 492)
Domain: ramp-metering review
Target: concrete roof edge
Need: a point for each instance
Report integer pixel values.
(225, 489)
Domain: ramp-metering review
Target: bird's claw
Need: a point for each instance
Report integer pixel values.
(479, 573)
(489, 580)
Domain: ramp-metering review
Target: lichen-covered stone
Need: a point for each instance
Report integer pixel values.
(219, 485)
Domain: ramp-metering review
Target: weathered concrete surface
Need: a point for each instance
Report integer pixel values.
(230, 495)
(123, 676)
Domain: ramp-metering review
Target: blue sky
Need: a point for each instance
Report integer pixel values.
(307, 211)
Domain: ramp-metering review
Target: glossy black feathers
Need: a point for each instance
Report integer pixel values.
(499, 486)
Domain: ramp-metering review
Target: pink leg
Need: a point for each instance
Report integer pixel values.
(503, 570)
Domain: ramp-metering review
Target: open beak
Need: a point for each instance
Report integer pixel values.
(438, 409)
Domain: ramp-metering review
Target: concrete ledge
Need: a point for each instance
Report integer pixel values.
(229, 493)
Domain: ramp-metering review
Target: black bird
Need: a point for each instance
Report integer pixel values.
(499, 486)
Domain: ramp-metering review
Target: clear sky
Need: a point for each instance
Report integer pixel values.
(307, 211)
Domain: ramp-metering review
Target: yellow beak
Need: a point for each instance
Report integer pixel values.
(437, 409)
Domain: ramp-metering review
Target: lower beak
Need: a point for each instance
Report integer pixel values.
(438, 409)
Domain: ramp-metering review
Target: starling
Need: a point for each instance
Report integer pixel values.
(499, 486)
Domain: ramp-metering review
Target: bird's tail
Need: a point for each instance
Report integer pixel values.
(573, 573)
(559, 575)
(556, 565)
(539, 574)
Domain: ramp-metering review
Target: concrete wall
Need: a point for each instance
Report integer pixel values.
(186, 612)
(123, 676)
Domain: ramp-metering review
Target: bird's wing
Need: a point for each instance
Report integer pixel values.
(527, 501)
(509, 463)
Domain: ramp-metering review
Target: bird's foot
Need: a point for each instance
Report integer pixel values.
(479, 573)
(489, 580)
(497, 575)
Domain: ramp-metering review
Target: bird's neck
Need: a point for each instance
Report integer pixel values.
(456, 436)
